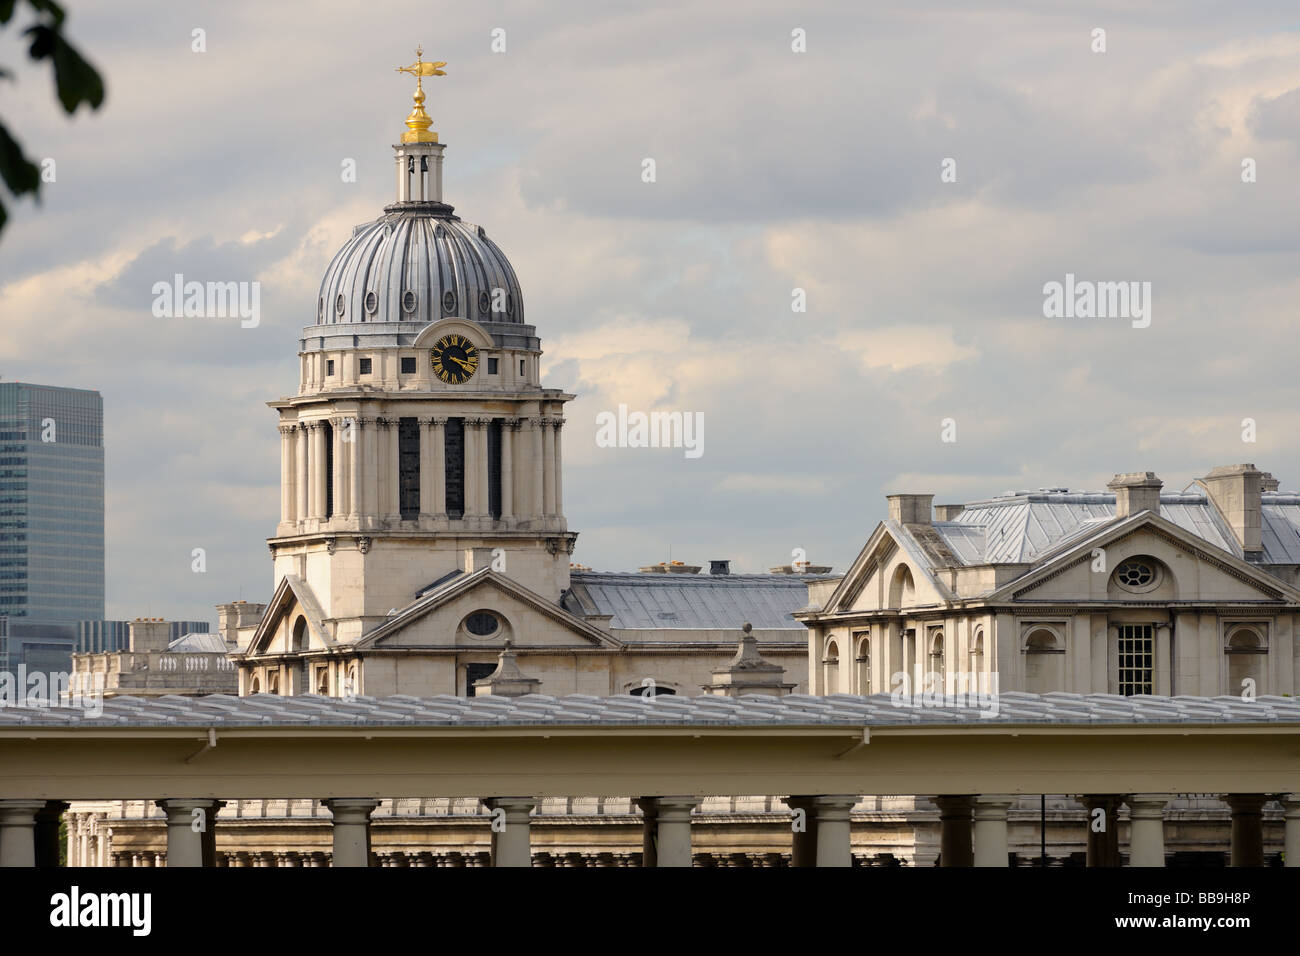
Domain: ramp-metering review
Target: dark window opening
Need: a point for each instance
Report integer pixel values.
(521, 366)
(329, 470)
(481, 623)
(655, 691)
(454, 454)
(476, 672)
(408, 467)
(494, 468)
(492, 366)
(329, 366)
(408, 365)
(365, 367)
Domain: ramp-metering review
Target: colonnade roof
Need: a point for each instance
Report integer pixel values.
(627, 711)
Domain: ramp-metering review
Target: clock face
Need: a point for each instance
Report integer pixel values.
(454, 358)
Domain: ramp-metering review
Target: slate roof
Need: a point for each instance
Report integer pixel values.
(691, 601)
(1020, 527)
(581, 710)
(198, 644)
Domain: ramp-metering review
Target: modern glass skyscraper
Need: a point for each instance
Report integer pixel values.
(51, 504)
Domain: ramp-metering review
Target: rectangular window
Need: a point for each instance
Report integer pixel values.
(408, 465)
(329, 366)
(476, 672)
(1136, 657)
(492, 366)
(494, 468)
(365, 367)
(521, 367)
(454, 454)
(408, 364)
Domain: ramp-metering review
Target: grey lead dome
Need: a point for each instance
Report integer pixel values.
(418, 263)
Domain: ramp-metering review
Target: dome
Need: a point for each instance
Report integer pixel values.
(418, 263)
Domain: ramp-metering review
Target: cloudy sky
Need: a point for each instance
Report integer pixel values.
(776, 170)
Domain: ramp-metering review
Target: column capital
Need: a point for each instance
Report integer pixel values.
(992, 806)
(511, 805)
(1146, 806)
(438, 421)
(351, 809)
(669, 808)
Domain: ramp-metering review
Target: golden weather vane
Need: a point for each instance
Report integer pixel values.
(418, 123)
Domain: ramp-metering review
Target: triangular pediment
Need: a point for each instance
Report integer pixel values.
(275, 633)
(1188, 569)
(870, 582)
(442, 619)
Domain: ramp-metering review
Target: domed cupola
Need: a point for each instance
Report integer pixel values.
(419, 263)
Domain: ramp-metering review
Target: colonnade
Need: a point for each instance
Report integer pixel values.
(366, 467)
(973, 832)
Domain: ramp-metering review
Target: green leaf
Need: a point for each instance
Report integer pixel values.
(75, 80)
(19, 174)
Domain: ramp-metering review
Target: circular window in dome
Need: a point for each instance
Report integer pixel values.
(449, 302)
(340, 303)
(372, 302)
(484, 302)
(482, 624)
(1135, 574)
(408, 300)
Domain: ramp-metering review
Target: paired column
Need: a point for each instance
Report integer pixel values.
(339, 504)
(191, 831)
(991, 845)
(470, 465)
(955, 831)
(548, 466)
(426, 468)
(508, 467)
(300, 487)
(511, 845)
(394, 458)
(538, 503)
(355, 455)
(825, 837)
(1146, 814)
(481, 494)
(558, 423)
(666, 830)
(1247, 828)
(318, 486)
(287, 473)
(1103, 828)
(18, 831)
(351, 830)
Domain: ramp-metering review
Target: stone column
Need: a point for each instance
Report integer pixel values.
(538, 492)
(369, 469)
(1247, 828)
(954, 831)
(1146, 813)
(469, 454)
(18, 831)
(351, 830)
(426, 468)
(46, 836)
(825, 839)
(300, 486)
(318, 469)
(395, 466)
(557, 464)
(185, 844)
(511, 845)
(286, 473)
(1291, 814)
(507, 468)
(438, 466)
(481, 466)
(990, 834)
(1103, 829)
(354, 469)
(339, 504)
(548, 466)
(666, 830)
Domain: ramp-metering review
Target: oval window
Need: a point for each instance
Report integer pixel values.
(372, 302)
(484, 302)
(408, 300)
(339, 304)
(482, 624)
(449, 302)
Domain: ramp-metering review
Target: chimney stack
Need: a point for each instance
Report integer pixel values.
(720, 566)
(150, 634)
(947, 512)
(1135, 492)
(1235, 491)
(910, 509)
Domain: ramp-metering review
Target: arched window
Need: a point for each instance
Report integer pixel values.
(299, 635)
(863, 661)
(273, 682)
(902, 589)
(256, 686)
(831, 669)
(977, 653)
(323, 681)
(647, 690)
(936, 661)
(1044, 662)
(1247, 655)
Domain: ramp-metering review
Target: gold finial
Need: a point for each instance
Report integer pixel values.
(418, 123)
